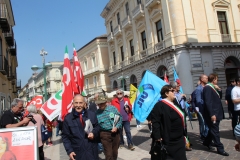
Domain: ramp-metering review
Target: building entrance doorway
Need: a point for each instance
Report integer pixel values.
(232, 68)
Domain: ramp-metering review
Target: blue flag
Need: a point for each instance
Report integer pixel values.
(148, 95)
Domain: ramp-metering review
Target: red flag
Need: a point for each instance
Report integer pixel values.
(165, 78)
(37, 101)
(68, 86)
(78, 74)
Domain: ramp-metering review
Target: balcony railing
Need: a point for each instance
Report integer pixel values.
(159, 46)
(110, 37)
(13, 49)
(226, 37)
(18, 84)
(95, 69)
(4, 18)
(117, 30)
(144, 53)
(126, 22)
(151, 3)
(123, 63)
(9, 36)
(134, 58)
(138, 11)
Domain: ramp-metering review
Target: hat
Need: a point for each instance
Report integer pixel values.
(237, 132)
(100, 99)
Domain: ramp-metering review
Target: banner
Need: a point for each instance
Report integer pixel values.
(37, 101)
(148, 95)
(18, 143)
(52, 107)
(133, 94)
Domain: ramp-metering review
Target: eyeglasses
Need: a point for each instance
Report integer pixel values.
(171, 90)
(119, 93)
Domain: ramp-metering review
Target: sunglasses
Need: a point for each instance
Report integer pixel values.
(119, 93)
(171, 90)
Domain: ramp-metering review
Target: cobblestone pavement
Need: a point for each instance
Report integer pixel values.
(142, 142)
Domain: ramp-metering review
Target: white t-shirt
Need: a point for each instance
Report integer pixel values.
(235, 94)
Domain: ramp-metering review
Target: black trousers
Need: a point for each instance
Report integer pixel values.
(41, 153)
(213, 135)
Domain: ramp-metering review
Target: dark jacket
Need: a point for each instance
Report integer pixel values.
(229, 98)
(212, 104)
(75, 139)
(92, 106)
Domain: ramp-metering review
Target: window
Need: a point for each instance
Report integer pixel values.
(222, 21)
(86, 83)
(161, 72)
(95, 81)
(144, 41)
(57, 74)
(118, 18)
(111, 27)
(122, 53)
(159, 31)
(93, 61)
(127, 9)
(85, 65)
(139, 2)
(131, 47)
(114, 58)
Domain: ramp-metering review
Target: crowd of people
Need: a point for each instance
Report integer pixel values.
(97, 125)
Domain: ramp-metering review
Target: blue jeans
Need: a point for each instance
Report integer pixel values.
(138, 122)
(203, 128)
(126, 126)
(100, 147)
(57, 130)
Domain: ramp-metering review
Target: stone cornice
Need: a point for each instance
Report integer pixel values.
(110, 8)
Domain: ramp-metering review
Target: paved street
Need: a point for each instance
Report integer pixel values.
(142, 141)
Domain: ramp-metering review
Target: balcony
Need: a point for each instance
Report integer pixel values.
(144, 53)
(123, 63)
(138, 11)
(133, 58)
(159, 46)
(117, 30)
(57, 78)
(10, 74)
(226, 37)
(110, 37)
(151, 3)
(127, 22)
(18, 87)
(4, 68)
(9, 36)
(13, 49)
(95, 69)
(4, 19)
(114, 68)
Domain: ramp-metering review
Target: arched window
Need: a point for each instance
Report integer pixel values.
(115, 85)
(123, 84)
(161, 71)
(143, 73)
(133, 80)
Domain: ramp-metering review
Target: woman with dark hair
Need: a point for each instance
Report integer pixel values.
(5, 154)
(168, 126)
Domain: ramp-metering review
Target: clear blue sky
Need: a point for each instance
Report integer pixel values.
(53, 24)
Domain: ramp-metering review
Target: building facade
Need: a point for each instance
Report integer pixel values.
(94, 61)
(8, 57)
(194, 37)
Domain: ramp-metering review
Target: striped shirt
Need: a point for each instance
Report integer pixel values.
(106, 118)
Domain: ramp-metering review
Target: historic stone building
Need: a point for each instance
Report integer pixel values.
(194, 36)
(9, 85)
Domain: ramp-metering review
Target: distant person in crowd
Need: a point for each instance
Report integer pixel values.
(13, 117)
(235, 95)
(79, 144)
(229, 102)
(49, 127)
(168, 125)
(199, 105)
(180, 100)
(213, 114)
(5, 153)
(237, 136)
(92, 105)
(109, 134)
(38, 118)
(124, 106)
(138, 124)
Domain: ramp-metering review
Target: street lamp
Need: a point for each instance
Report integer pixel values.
(43, 53)
(122, 80)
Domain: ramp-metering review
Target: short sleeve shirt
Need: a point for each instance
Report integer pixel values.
(235, 94)
(8, 118)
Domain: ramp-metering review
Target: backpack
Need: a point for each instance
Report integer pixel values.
(44, 132)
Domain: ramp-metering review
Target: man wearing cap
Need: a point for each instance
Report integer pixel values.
(80, 144)
(124, 106)
(109, 131)
(235, 94)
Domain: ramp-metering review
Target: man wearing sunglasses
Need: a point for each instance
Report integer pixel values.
(124, 107)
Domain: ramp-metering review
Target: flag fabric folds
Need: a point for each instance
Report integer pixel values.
(37, 101)
(147, 96)
(68, 86)
(78, 74)
(133, 94)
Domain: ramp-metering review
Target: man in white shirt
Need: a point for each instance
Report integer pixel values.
(235, 94)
